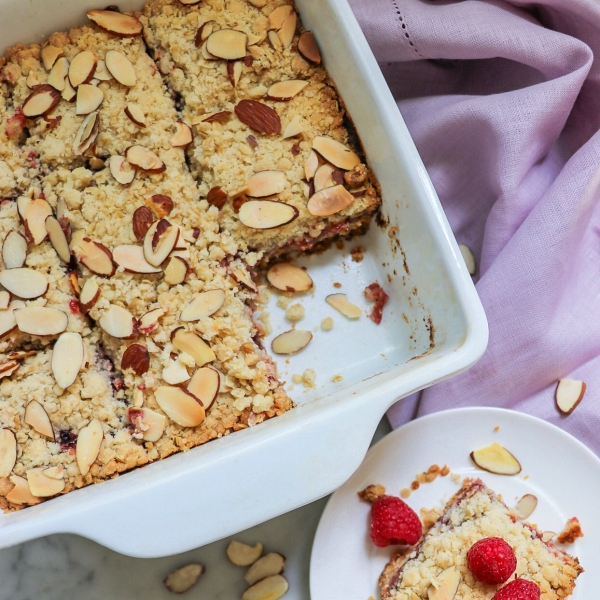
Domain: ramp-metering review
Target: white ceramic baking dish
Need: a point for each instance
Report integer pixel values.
(230, 484)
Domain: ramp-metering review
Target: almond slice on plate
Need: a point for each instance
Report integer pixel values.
(307, 46)
(526, 505)
(41, 101)
(180, 405)
(176, 271)
(175, 373)
(234, 71)
(118, 322)
(89, 98)
(203, 305)
(43, 486)
(243, 555)
(101, 73)
(311, 165)
(288, 29)
(135, 114)
(194, 345)
(57, 77)
(266, 214)
(266, 183)
(289, 278)
(88, 445)
(160, 240)
(151, 423)
(4, 300)
(8, 452)
(24, 283)
(342, 305)
(496, 459)
(131, 258)
(144, 159)
(291, 341)
(86, 134)
(469, 258)
(21, 494)
(203, 32)
(115, 22)
(149, 320)
(161, 206)
(82, 67)
(68, 92)
(40, 320)
(183, 135)
(121, 170)
(294, 128)
(547, 536)
(37, 417)
(324, 177)
(227, 43)
(279, 15)
(270, 564)
(258, 116)
(95, 256)
(136, 358)
(269, 588)
(89, 296)
(49, 55)
(445, 585)
(186, 577)
(205, 385)
(120, 67)
(35, 220)
(14, 250)
(330, 201)
(336, 153)
(67, 358)
(569, 393)
(58, 239)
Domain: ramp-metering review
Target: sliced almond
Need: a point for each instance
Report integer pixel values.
(256, 51)
(569, 393)
(324, 177)
(89, 441)
(96, 257)
(49, 55)
(206, 55)
(176, 271)
(89, 98)
(548, 536)
(336, 153)
(307, 46)
(57, 77)
(205, 385)
(289, 278)
(186, 577)
(86, 134)
(136, 114)
(8, 368)
(203, 32)
(14, 250)
(270, 564)
(67, 358)
(69, 91)
(162, 206)
(118, 322)
(8, 321)
(58, 239)
(288, 30)
(190, 2)
(4, 300)
(54, 472)
(526, 505)
(121, 170)
(227, 43)
(23, 203)
(89, 296)
(120, 67)
(203, 305)
(35, 220)
(149, 320)
(144, 159)
(20, 354)
(311, 165)
(469, 258)
(275, 40)
(341, 304)
(159, 241)
(445, 585)
(266, 183)
(243, 555)
(496, 459)
(330, 201)
(267, 214)
(82, 68)
(115, 22)
(183, 135)
(21, 494)
(234, 71)
(151, 424)
(242, 277)
(215, 116)
(40, 320)
(194, 345)
(136, 358)
(279, 15)
(24, 283)
(175, 373)
(294, 128)
(180, 405)
(43, 486)
(131, 258)
(8, 452)
(102, 72)
(41, 101)
(291, 341)
(142, 221)
(269, 588)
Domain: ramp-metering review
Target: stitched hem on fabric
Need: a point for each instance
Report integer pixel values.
(404, 27)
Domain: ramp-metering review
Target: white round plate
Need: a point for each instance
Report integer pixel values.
(558, 469)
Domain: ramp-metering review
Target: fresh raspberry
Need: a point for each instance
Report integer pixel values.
(491, 560)
(519, 589)
(394, 522)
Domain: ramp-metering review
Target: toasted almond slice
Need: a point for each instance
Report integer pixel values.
(135, 114)
(186, 577)
(136, 358)
(24, 283)
(266, 183)
(14, 250)
(40, 320)
(95, 256)
(289, 278)
(54, 472)
(162, 206)
(176, 271)
(526, 505)
(58, 239)
(269, 588)
(8, 321)
(266, 214)
(37, 417)
(214, 116)
(242, 555)
(89, 98)
(307, 46)
(496, 459)
(203, 32)
(86, 134)
(569, 393)
(336, 153)
(120, 67)
(341, 304)
(203, 305)
(21, 494)
(175, 373)
(180, 405)
(234, 71)
(227, 43)
(469, 258)
(291, 341)
(311, 165)
(35, 220)
(183, 135)
(49, 55)
(205, 385)
(329, 201)
(41, 101)
(131, 258)
(242, 277)
(69, 92)
(43, 486)
(115, 22)
(288, 30)
(206, 55)
(8, 368)
(89, 441)
(57, 77)
(324, 177)
(82, 67)
(89, 296)
(4, 300)
(279, 15)
(160, 241)
(23, 203)
(144, 159)
(149, 320)
(67, 358)
(151, 423)
(275, 41)
(547, 536)
(8, 452)
(121, 170)
(102, 72)
(118, 322)
(294, 128)
(270, 564)
(445, 585)
(194, 345)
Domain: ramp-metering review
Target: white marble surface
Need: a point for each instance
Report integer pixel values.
(67, 567)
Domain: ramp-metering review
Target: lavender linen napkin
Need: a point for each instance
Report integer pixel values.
(503, 101)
